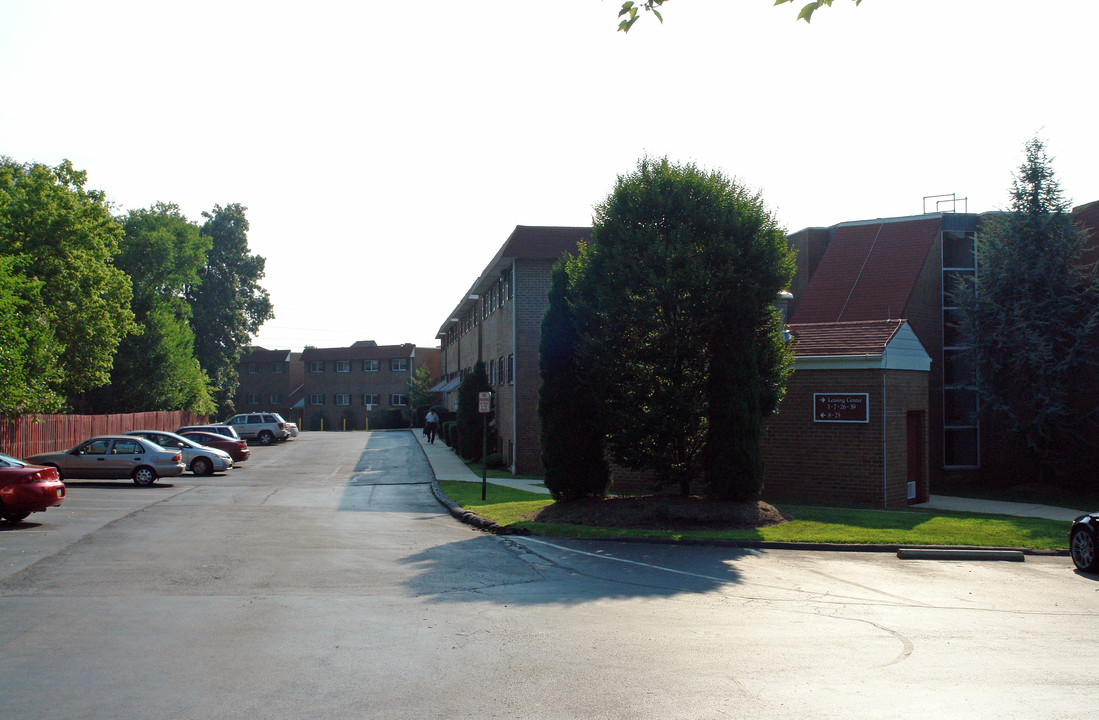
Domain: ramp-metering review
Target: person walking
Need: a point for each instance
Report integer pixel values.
(431, 424)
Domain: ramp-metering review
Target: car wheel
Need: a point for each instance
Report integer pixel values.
(202, 466)
(1082, 547)
(144, 476)
(13, 517)
(266, 437)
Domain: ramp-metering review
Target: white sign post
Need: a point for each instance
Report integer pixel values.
(484, 406)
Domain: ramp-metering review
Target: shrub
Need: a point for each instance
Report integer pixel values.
(495, 461)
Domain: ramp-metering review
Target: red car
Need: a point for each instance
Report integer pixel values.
(25, 489)
(237, 449)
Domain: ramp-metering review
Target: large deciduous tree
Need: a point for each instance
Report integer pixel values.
(62, 238)
(156, 369)
(29, 372)
(572, 431)
(228, 304)
(674, 301)
(1033, 316)
(631, 10)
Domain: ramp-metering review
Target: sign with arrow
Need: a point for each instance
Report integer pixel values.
(841, 407)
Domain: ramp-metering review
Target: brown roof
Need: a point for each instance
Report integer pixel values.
(358, 352)
(865, 337)
(868, 271)
(263, 355)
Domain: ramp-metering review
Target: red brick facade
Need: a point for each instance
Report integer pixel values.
(840, 463)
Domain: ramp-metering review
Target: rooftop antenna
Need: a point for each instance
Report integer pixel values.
(942, 201)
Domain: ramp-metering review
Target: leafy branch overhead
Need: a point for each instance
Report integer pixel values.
(630, 11)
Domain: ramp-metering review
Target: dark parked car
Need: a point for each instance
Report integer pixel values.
(1081, 542)
(237, 449)
(114, 456)
(26, 489)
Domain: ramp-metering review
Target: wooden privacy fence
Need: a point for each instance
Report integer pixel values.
(29, 435)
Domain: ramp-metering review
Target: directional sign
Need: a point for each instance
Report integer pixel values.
(484, 402)
(841, 407)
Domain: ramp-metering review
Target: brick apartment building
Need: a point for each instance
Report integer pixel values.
(499, 322)
(347, 386)
(270, 380)
(873, 322)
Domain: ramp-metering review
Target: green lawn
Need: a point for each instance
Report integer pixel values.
(508, 507)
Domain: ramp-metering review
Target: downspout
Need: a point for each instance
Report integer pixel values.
(884, 441)
(514, 368)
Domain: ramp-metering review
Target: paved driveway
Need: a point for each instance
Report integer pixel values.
(321, 580)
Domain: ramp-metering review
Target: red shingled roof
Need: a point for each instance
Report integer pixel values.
(868, 271)
(866, 337)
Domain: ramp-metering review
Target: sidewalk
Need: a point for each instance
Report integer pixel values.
(446, 465)
(999, 507)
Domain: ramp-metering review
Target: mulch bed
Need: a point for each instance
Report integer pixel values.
(662, 513)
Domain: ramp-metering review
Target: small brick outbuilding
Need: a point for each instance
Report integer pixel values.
(852, 428)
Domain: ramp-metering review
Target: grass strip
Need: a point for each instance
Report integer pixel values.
(512, 508)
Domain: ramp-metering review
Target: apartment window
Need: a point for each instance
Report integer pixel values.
(342, 399)
(277, 369)
(343, 366)
(253, 368)
(491, 372)
(398, 400)
(252, 398)
(507, 283)
(316, 398)
(369, 399)
(316, 366)
(398, 365)
(275, 398)
(511, 369)
(370, 366)
(500, 375)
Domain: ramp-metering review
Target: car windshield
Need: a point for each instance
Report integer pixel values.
(9, 461)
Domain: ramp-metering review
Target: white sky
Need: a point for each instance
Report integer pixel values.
(385, 150)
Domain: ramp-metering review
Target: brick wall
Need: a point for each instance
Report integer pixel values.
(355, 383)
(843, 463)
(532, 284)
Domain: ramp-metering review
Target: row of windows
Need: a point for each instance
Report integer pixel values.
(501, 371)
(368, 399)
(272, 399)
(494, 299)
(257, 368)
(344, 366)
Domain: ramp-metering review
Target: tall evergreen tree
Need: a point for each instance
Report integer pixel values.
(572, 430)
(1033, 315)
(228, 303)
(674, 303)
(471, 424)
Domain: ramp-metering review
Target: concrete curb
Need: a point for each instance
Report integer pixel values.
(904, 552)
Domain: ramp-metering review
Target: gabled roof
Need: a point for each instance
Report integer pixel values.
(869, 270)
(359, 352)
(865, 344)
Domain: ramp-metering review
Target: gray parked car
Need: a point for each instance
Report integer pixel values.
(264, 427)
(114, 456)
(199, 459)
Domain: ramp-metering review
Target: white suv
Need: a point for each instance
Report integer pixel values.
(266, 428)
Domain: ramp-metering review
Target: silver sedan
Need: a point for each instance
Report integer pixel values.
(199, 459)
(114, 456)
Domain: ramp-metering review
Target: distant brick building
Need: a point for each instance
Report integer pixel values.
(269, 380)
(345, 387)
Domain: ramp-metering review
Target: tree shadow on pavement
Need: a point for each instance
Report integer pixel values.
(542, 571)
